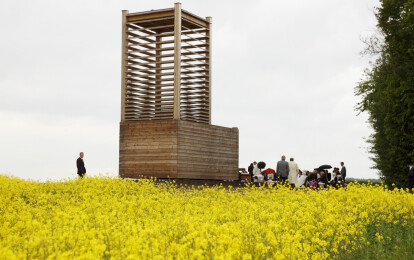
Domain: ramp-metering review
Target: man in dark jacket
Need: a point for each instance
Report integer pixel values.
(411, 178)
(343, 171)
(81, 166)
(282, 169)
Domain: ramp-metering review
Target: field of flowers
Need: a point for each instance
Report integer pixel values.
(105, 218)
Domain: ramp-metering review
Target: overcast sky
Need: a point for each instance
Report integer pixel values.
(284, 73)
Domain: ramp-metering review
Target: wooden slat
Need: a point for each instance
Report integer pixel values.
(156, 74)
(147, 70)
(141, 37)
(150, 62)
(152, 28)
(199, 46)
(136, 50)
(142, 100)
(132, 84)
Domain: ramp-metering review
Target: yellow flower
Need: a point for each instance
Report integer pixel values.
(102, 217)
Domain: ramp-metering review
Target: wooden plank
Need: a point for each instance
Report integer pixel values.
(139, 105)
(148, 112)
(187, 52)
(151, 17)
(136, 98)
(165, 34)
(146, 118)
(139, 100)
(135, 93)
(163, 42)
(194, 20)
(198, 31)
(133, 69)
(192, 32)
(190, 46)
(134, 75)
(198, 46)
(134, 56)
(149, 47)
(152, 49)
(198, 39)
(134, 50)
(151, 62)
(141, 37)
(148, 84)
(154, 27)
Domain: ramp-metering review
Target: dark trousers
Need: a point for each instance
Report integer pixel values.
(81, 175)
(283, 179)
(411, 183)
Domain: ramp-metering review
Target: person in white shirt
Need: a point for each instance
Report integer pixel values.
(293, 172)
(256, 172)
(300, 180)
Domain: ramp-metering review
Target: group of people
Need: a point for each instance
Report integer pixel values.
(289, 172)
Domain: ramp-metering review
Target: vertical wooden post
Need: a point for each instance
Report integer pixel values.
(177, 59)
(208, 34)
(124, 63)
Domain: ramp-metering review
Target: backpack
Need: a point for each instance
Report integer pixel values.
(313, 184)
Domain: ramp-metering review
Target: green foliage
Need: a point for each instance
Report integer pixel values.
(387, 92)
(386, 241)
(261, 165)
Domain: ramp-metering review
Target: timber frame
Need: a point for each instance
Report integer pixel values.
(166, 72)
(165, 128)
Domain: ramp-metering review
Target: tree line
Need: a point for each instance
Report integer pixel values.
(387, 90)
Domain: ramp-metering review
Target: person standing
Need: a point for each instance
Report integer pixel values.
(250, 170)
(282, 169)
(257, 174)
(81, 165)
(411, 178)
(343, 171)
(256, 170)
(293, 172)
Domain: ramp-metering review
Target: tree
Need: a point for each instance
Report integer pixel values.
(261, 165)
(387, 92)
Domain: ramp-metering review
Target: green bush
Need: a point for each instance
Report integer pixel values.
(261, 165)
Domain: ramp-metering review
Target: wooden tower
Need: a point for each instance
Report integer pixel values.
(165, 128)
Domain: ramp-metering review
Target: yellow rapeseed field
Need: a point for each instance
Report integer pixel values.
(105, 218)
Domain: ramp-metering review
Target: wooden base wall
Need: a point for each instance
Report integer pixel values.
(178, 149)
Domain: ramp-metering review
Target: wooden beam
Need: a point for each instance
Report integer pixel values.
(177, 59)
(194, 20)
(151, 17)
(208, 34)
(124, 62)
